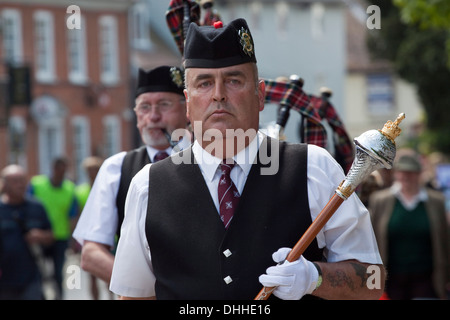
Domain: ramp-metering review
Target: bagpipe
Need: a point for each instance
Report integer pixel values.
(320, 124)
(317, 114)
(181, 13)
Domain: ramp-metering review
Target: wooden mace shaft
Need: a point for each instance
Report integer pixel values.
(307, 238)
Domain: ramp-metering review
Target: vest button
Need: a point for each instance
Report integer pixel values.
(227, 279)
(227, 253)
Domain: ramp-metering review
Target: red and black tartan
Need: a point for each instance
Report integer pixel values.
(175, 16)
(342, 142)
(210, 18)
(291, 94)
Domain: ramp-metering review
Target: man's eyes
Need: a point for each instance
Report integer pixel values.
(232, 82)
(205, 84)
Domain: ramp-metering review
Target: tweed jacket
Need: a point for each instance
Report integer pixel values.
(381, 206)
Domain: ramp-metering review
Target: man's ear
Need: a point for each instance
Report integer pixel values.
(261, 94)
(187, 104)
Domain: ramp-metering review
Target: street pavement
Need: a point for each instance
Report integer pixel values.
(77, 282)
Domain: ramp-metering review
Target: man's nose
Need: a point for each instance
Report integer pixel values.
(219, 93)
(155, 115)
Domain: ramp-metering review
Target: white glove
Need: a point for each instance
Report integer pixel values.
(292, 279)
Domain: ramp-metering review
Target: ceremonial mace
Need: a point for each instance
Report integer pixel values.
(375, 149)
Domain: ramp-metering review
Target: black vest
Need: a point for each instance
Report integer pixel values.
(134, 161)
(189, 245)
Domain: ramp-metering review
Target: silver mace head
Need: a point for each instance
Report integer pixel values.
(375, 149)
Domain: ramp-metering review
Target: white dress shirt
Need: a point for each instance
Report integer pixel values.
(99, 218)
(347, 235)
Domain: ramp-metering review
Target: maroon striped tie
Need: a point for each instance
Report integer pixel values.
(228, 194)
(160, 156)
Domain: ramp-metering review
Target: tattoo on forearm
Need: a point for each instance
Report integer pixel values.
(340, 278)
(361, 272)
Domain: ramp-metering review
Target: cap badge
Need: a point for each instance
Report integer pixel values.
(177, 78)
(246, 41)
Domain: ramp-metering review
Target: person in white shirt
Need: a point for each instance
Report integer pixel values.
(160, 105)
(178, 240)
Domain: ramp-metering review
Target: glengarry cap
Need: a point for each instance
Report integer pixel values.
(219, 46)
(161, 79)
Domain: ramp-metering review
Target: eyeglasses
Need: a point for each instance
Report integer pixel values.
(161, 106)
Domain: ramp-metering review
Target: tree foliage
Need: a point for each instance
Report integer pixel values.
(419, 55)
(427, 14)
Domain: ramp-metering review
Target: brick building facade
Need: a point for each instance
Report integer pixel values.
(80, 89)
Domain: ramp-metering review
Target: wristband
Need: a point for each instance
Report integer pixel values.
(319, 280)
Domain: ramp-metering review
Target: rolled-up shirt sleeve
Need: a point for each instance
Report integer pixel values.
(349, 233)
(132, 274)
(99, 219)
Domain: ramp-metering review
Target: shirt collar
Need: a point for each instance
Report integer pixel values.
(245, 158)
(409, 204)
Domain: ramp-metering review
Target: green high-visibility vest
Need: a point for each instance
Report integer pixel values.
(57, 201)
(82, 194)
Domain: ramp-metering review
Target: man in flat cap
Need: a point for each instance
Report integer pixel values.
(205, 224)
(160, 105)
(411, 229)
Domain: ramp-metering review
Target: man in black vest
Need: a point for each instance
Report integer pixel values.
(205, 223)
(160, 105)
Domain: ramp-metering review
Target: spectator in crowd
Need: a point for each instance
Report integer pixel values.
(412, 233)
(24, 226)
(57, 194)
